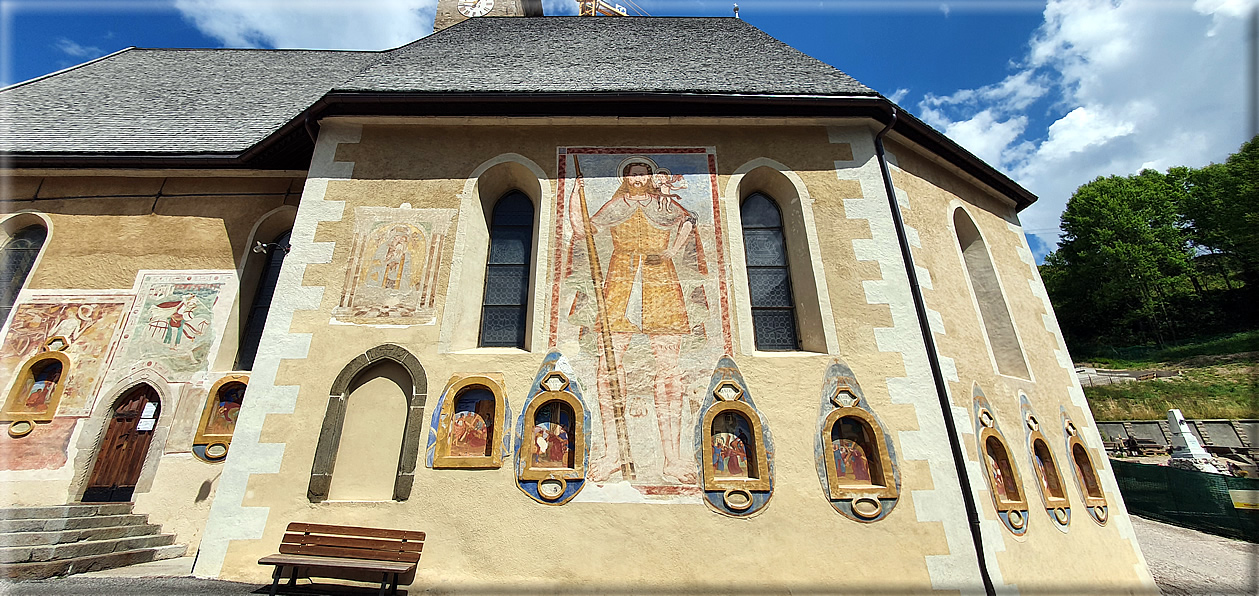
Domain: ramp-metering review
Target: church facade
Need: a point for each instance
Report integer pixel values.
(580, 298)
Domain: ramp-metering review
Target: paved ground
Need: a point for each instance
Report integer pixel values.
(1183, 562)
(1187, 562)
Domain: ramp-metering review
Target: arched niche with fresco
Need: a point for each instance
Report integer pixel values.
(552, 435)
(1086, 476)
(855, 459)
(36, 393)
(468, 429)
(1004, 483)
(1053, 492)
(734, 447)
(218, 418)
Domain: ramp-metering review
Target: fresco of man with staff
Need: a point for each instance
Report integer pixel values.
(641, 295)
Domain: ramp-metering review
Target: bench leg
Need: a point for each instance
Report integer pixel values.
(384, 581)
(293, 577)
(393, 586)
(275, 580)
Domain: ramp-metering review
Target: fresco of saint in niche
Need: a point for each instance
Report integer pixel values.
(848, 443)
(552, 433)
(730, 445)
(226, 409)
(393, 265)
(469, 427)
(88, 324)
(639, 304)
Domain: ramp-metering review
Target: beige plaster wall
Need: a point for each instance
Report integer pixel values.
(104, 230)
(1106, 558)
(485, 534)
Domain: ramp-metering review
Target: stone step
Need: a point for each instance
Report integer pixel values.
(70, 523)
(25, 554)
(96, 562)
(54, 511)
(68, 536)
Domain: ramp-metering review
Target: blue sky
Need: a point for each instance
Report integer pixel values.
(1052, 92)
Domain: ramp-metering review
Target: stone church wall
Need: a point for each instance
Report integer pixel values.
(118, 249)
(388, 265)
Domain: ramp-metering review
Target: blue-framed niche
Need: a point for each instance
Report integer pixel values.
(1053, 488)
(552, 435)
(1085, 466)
(856, 461)
(734, 446)
(1004, 483)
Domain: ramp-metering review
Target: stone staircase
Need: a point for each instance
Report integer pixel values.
(41, 542)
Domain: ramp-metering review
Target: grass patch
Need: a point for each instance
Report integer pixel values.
(1227, 391)
(1138, 357)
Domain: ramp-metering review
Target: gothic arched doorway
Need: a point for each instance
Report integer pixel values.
(124, 447)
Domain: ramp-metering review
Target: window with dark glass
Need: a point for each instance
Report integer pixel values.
(18, 258)
(252, 336)
(769, 278)
(503, 311)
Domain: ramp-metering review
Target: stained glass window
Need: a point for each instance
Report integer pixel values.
(504, 309)
(769, 278)
(15, 264)
(262, 303)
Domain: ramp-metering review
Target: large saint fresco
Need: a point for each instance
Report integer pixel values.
(639, 305)
(392, 274)
(177, 321)
(88, 324)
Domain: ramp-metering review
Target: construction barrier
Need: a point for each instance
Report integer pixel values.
(1222, 505)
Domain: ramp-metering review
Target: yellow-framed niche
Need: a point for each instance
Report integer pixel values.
(218, 417)
(471, 422)
(551, 448)
(37, 388)
(1002, 474)
(1085, 466)
(882, 481)
(729, 415)
(1053, 491)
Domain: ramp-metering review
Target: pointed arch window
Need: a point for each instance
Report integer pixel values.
(504, 310)
(769, 275)
(19, 254)
(994, 314)
(252, 335)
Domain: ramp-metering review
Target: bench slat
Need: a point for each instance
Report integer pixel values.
(348, 553)
(367, 544)
(355, 531)
(337, 563)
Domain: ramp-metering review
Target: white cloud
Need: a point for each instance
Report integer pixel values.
(75, 50)
(899, 95)
(1132, 84)
(312, 24)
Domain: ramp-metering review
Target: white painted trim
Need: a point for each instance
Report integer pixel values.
(229, 519)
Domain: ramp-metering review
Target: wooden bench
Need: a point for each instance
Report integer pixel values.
(343, 551)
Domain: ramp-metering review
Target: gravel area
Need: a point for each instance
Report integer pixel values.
(1186, 561)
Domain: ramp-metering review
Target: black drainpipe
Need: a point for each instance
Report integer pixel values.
(933, 359)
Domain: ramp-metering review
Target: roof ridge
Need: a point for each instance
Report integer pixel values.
(67, 69)
(257, 50)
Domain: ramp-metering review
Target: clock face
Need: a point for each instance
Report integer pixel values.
(475, 8)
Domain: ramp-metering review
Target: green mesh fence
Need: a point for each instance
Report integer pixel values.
(1192, 499)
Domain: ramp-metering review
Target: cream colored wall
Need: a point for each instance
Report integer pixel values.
(104, 231)
(482, 530)
(1106, 558)
(484, 534)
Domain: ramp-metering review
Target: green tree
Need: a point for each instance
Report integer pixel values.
(1219, 207)
(1123, 262)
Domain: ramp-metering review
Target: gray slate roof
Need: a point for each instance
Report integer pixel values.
(601, 55)
(226, 101)
(170, 101)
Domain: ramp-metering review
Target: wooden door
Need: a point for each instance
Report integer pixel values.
(126, 443)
